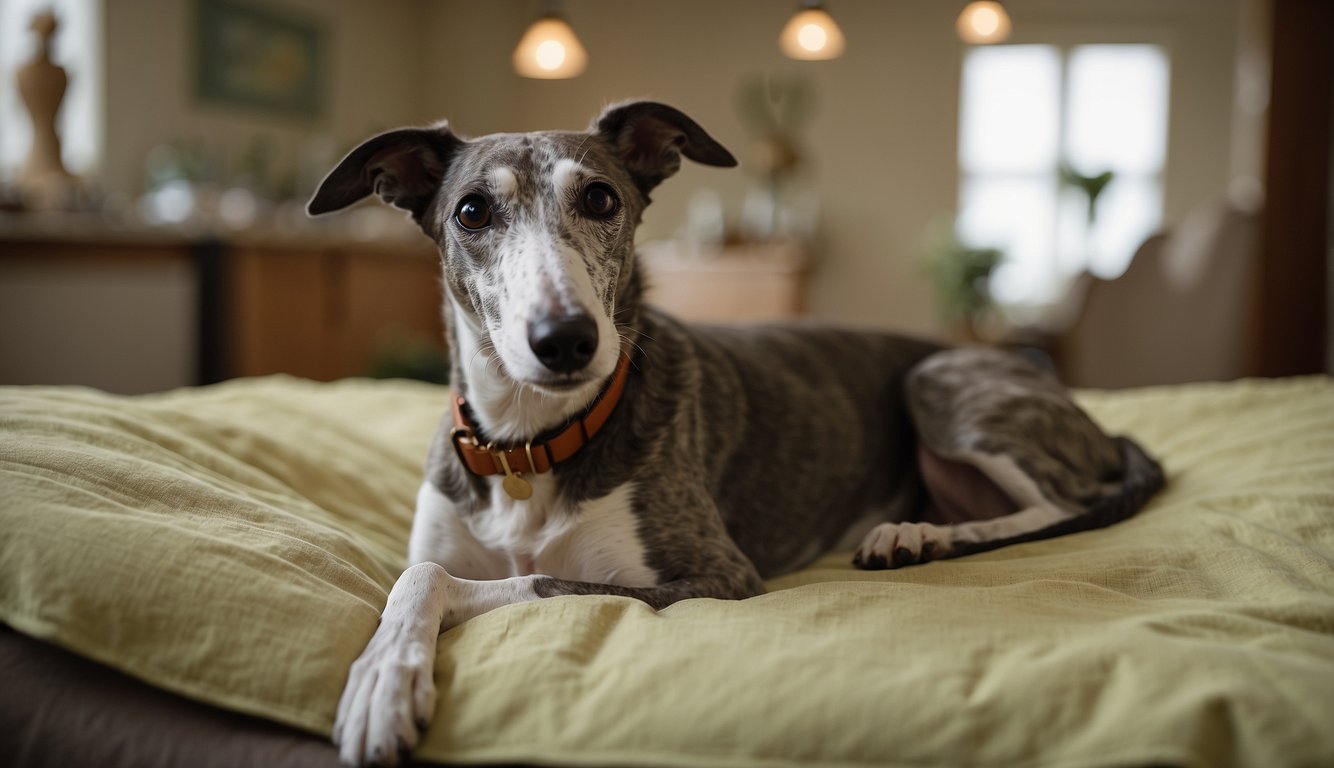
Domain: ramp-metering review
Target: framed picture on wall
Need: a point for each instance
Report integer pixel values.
(259, 57)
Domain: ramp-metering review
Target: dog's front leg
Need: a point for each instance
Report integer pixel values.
(390, 692)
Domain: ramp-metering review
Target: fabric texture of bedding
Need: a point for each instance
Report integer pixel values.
(236, 543)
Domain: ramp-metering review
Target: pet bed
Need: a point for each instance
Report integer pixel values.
(233, 545)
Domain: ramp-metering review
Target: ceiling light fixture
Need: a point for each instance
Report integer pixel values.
(550, 50)
(811, 34)
(983, 22)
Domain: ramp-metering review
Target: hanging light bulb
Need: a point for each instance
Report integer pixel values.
(549, 50)
(811, 34)
(982, 22)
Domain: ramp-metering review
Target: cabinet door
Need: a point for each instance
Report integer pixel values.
(386, 300)
(279, 312)
(119, 317)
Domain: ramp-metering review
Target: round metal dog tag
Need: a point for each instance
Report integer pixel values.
(517, 487)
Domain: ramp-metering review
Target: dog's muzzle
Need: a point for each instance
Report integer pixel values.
(563, 344)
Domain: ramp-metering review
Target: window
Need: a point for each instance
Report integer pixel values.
(1027, 112)
(77, 49)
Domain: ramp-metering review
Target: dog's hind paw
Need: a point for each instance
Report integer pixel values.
(893, 545)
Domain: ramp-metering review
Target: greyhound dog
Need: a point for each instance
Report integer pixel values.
(596, 446)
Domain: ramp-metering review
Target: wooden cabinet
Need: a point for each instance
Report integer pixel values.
(137, 311)
(323, 313)
(743, 283)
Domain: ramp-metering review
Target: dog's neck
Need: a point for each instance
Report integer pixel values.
(509, 411)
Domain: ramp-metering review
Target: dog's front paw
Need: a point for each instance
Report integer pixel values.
(388, 700)
(892, 545)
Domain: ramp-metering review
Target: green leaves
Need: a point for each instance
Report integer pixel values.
(1091, 186)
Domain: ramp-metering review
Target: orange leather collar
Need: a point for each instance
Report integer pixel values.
(541, 454)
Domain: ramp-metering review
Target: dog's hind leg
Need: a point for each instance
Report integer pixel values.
(1006, 457)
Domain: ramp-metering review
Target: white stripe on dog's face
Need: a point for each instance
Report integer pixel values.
(503, 183)
(565, 177)
(542, 256)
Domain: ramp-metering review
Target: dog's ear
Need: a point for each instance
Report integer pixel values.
(403, 167)
(650, 139)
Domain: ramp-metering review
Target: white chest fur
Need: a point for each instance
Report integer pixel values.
(596, 542)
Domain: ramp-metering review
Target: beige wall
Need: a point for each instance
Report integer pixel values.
(884, 142)
(882, 145)
(374, 52)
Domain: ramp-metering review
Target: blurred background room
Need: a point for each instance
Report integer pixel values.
(1137, 190)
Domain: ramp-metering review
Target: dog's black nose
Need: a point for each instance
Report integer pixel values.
(564, 344)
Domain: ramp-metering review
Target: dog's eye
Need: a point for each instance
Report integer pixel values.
(599, 200)
(474, 213)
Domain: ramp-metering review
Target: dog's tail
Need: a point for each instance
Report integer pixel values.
(1141, 477)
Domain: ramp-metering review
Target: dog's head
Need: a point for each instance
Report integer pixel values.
(536, 230)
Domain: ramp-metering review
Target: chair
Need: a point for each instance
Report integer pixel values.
(1180, 312)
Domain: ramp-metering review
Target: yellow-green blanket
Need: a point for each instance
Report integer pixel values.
(235, 544)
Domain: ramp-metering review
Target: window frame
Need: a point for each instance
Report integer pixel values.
(1064, 39)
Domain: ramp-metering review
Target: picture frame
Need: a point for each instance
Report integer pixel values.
(267, 58)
